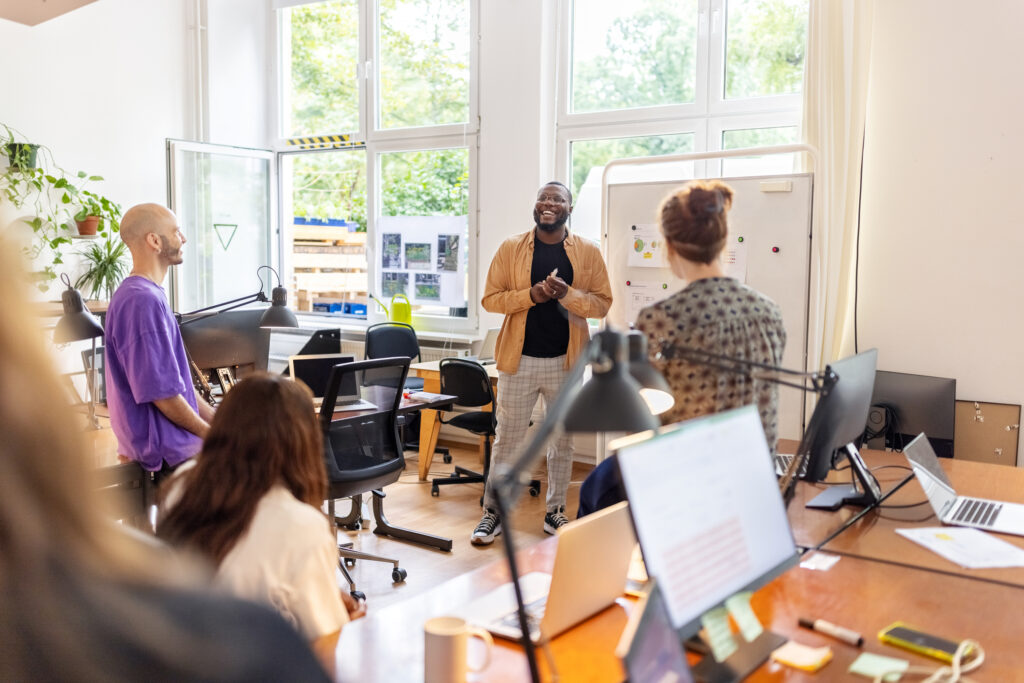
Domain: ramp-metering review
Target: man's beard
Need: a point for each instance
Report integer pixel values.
(172, 256)
(557, 225)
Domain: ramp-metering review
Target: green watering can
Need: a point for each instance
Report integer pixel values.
(400, 312)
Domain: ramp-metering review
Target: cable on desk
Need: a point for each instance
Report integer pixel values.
(947, 674)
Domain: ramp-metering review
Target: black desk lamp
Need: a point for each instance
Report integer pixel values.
(609, 402)
(653, 388)
(78, 324)
(278, 315)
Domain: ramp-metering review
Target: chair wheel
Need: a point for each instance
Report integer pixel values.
(354, 526)
(349, 562)
(447, 457)
(398, 575)
(534, 491)
(435, 491)
(358, 595)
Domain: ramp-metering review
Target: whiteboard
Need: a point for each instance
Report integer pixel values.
(770, 230)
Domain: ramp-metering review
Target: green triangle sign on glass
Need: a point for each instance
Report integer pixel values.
(225, 233)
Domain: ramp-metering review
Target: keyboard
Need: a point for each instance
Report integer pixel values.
(974, 511)
(782, 464)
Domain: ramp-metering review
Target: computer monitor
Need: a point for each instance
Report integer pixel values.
(707, 512)
(315, 371)
(904, 405)
(232, 339)
(317, 343)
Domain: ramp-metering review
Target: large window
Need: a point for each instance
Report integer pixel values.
(658, 77)
(378, 116)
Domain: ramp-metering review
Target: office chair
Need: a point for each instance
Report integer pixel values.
(363, 453)
(468, 380)
(391, 339)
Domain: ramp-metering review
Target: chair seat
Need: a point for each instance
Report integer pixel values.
(478, 422)
(349, 483)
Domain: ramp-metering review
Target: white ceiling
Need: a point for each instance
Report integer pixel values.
(32, 12)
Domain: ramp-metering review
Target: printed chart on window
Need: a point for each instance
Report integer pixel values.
(423, 257)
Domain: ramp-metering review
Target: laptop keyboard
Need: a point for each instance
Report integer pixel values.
(980, 512)
(534, 612)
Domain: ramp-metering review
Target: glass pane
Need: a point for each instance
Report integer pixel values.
(324, 193)
(423, 232)
(764, 47)
(223, 204)
(633, 54)
(424, 62)
(321, 50)
(758, 137)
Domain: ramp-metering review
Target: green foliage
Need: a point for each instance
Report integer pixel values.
(766, 46)
(106, 265)
(427, 183)
(587, 154)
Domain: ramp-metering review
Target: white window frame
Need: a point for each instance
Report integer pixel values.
(377, 142)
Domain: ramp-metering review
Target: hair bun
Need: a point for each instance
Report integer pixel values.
(706, 202)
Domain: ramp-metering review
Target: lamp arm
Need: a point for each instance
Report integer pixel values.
(223, 306)
(821, 382)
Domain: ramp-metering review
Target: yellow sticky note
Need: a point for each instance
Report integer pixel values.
(802, 657)
(716, 626)
(740, 610)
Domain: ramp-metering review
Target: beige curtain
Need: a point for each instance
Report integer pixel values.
(835, 102)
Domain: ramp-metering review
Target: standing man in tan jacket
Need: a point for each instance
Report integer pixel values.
(547, 282)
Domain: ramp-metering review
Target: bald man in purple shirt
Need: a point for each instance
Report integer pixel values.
(158, 418)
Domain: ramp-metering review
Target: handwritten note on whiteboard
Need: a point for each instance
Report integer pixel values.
(640, 294)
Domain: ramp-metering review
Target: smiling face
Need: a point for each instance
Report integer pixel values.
(552, 208)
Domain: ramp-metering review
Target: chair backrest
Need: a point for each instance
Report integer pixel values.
(365, 447)
(387, 340)
(468, 380)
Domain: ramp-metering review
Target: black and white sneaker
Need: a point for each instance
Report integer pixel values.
(487, 529)
(554, 520)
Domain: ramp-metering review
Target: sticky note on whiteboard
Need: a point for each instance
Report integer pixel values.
(776, 185)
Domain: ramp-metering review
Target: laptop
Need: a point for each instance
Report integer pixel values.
(589, 573)
(649, 648)
(990, 515)
(486, 353)
(315, 371)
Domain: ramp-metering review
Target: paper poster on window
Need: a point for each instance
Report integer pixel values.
(640, 294)
(735, 260)
(423, 257)
(646, 247)
(391, 252)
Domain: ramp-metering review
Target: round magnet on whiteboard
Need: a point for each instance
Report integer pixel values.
(628, 283)
(775, 250)
(739, 239)
(664, 285)
(634, 227)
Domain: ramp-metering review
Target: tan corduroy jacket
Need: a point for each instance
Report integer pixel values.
(508, 291)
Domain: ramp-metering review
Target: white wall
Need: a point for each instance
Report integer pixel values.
(941, 286)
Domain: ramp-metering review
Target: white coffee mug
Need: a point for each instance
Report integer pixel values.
(446, 642)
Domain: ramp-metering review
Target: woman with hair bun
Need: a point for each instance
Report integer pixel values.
(713, 313)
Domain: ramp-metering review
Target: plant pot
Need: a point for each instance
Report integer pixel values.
(88, 226)
(21, 154)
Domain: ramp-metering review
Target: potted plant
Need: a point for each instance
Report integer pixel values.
(20, 155)
(96, 213)
(106, 266)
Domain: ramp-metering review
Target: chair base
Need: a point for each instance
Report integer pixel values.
(347, 554)
(383, 527)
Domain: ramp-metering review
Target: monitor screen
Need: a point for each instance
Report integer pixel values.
(904, 405)
(232, 339)
(650, 650)
(314, 371)
(707, 512)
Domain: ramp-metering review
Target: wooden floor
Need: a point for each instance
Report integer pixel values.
(453, 514)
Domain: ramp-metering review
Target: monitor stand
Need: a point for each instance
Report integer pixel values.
(863, 491)
(741, 663)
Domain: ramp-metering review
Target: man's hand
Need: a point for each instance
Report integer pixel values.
(555, 286)
(355, 608)
(539, 292)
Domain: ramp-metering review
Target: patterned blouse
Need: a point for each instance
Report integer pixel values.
(719, 315)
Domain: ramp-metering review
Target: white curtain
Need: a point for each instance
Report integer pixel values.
(835, 102)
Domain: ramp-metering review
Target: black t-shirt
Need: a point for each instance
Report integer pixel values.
(547, 324)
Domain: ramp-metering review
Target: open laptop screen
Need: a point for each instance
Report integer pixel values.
(315, 370)
(707, 512)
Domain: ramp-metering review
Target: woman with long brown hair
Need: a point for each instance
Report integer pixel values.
(251, 505)
(79, 600)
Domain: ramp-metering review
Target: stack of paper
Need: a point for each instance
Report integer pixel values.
(969, 548)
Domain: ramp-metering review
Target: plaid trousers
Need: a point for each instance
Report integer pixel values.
(517, 395)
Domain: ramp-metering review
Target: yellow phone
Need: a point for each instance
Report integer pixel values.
(902, 635)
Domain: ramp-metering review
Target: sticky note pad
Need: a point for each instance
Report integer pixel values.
(740, 610)
(872, 666)
(802, 657)
(819, 561)
(716, 625)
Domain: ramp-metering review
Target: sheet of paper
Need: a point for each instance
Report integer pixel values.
(741, 612)
(872, 666)
(735, 260)
(716, 626)
(819, 561)
(646, 249)
(642, 293)
(969, 548)
(801, 656)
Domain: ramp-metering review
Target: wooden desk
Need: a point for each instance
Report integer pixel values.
(430, 426)
(875, 537)
(857, 593)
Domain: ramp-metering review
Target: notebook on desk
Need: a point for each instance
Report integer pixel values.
(954, 510)
(589, 573)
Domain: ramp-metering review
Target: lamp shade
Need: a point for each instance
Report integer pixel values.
(654, 389)
(77, 323)
(279, 315)
(610, 401)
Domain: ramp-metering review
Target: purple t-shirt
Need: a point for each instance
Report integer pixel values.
(145, 361)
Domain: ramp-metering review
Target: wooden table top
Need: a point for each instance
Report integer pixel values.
(433, 369)
(875, 535)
